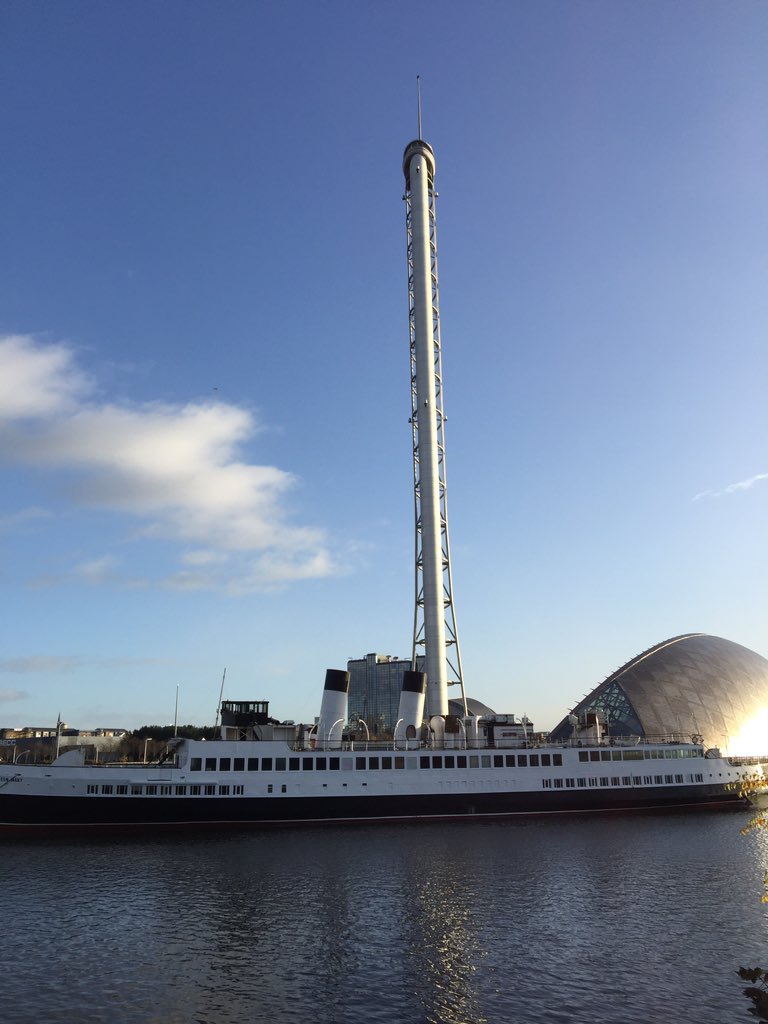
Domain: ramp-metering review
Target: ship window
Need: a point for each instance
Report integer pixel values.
(424, 762)
(510, 759)
(194, 790)
(581, 783)
(293, 764)
(534, 761)
(603, 780)
(546, 783)
(657, 779)
(569, 783)
(605, 755)
(136, 790)
(360, 763)
(239, 764)
(321, 763)
(474, 761)
(210, 764)
(636, 780)
(308, 763)
(698, 777)
(279, 764)
(648, 779)
(583, 755)
(373, 762)
(461, 761)
(210, 789)
(668, 778)
(522, 760)
(648, 754)
(106, 789)
(223, 790)
(122, 790)
(269, 788)
(195, 764)
(151, 790)
(557, 759)
(594, 755)
(93, 789)
(266, 764)
(678, 778)
(558, 783)
(410, 763)
(633, 755)
(615, 780)
(450, 761)
(283, 788)
(386, 762)
(498, 760)
(238, 790)
(437, 761)
(253, 764)
(181, 791)
(399, 762)
(346, 764)
(615, 755)
(225, 764)
(485, 761)
(333, 764)
(546, 760)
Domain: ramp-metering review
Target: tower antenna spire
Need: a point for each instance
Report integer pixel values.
(418, 100)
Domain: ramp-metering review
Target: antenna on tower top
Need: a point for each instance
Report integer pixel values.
(418, 100)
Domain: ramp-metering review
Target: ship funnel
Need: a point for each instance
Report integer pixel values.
(333, 710)
(411, 711)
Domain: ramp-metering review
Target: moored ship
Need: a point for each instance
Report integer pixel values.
(265, 773)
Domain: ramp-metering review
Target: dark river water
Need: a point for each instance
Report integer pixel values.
(590, 919)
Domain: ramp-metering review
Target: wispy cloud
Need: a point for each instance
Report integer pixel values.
(176, 469)
(9, 696)
(36, 664)
(23, 519)
(742, 485)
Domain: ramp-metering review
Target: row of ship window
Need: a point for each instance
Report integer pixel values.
(614, 754)
(165, 789)
(210, 789)
(335, 764)
(620, 780)
(371, 763)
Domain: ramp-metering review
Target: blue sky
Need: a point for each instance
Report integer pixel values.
(204, 392)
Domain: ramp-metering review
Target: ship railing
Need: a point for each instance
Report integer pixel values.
(664, 739)
(462, 742)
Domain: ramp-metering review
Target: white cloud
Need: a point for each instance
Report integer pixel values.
(37, 380)
(177, 469)
(742, 485)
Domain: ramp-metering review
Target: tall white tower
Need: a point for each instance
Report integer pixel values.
(434, 626)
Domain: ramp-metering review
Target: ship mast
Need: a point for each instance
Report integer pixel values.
(434, 630)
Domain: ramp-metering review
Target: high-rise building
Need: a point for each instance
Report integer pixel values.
(375, 682)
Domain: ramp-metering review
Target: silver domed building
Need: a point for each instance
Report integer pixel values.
(692, 685)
